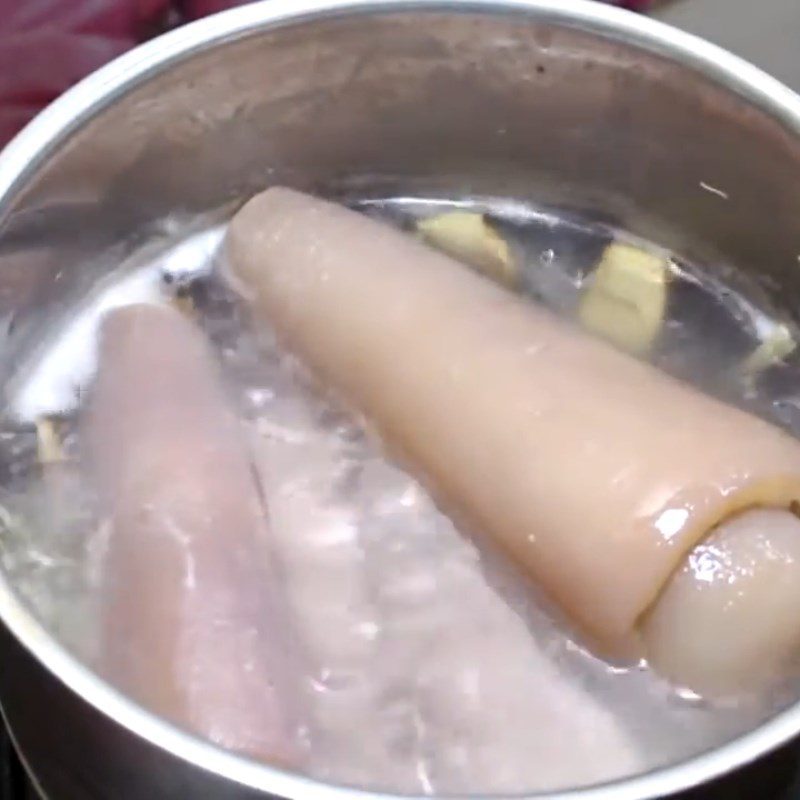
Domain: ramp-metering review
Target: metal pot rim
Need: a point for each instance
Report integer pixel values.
(56, 123)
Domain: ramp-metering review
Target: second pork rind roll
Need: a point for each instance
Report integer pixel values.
(192, 623)
(597, 472)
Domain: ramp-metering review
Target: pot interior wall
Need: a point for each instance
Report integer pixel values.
(422, 102)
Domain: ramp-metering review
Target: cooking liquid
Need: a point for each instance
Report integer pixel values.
(430, 665)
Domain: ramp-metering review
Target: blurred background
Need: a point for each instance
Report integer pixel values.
(766, 32)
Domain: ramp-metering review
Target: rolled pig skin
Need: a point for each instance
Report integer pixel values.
(597, 472)
(728, 621)
(190, 629)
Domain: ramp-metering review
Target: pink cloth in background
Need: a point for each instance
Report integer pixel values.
(195, 9)
(48, 45)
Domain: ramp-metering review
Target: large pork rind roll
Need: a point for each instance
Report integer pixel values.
(595, 471)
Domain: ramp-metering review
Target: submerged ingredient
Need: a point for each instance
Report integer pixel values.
(193, 623)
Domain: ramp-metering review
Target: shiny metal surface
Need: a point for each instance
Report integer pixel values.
(764, 33)
(563, 101)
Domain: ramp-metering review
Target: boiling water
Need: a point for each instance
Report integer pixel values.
(428, 664)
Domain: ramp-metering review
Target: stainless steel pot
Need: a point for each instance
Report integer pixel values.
(567, 102)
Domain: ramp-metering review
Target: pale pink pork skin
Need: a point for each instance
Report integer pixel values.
(728, 618)
(598, 473)
(424, 679)
(191, 627)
